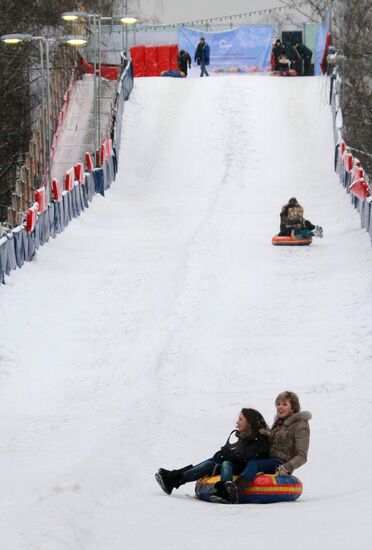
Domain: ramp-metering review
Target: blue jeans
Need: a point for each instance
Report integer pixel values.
(253, 467)
(203, 69)
(206, 468)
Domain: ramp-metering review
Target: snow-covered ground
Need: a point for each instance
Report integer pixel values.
(77, 135)
(134, 339)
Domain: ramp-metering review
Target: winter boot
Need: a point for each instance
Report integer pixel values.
(221, 494)
(170, 479)
(318, 232)
(232, 492)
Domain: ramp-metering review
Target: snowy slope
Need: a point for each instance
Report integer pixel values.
(136, 336)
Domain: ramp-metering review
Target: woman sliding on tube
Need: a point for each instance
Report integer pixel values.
(231, 459)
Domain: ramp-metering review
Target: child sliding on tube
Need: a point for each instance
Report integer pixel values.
(292, 221)
(230, 460)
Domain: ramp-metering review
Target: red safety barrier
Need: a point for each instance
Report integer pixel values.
(31, 217)
(348, 160)
(357, 171)
(342, 147)
(89, 162)
(110, 72)
(79, 172)
(40, 198)
(109, 146)
(164, 58)
(102, 154)
(69, 180)
(151, 61)
(56, 190)
(360, 189)
(174, 57)
(137, 54)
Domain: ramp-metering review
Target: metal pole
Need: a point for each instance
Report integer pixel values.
(94, 86)
(99, 82)
(48, 111)
(126, 30)
(43, 105)
(122, 31)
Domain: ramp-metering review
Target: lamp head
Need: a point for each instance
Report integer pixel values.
(75, 15)
(128, 20)
(16, 38)
(74, 40)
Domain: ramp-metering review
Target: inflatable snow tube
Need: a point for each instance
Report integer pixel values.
(264, 489)
(296, 240)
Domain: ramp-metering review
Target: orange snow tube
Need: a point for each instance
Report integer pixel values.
(296, 240)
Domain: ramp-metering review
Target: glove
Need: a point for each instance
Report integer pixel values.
(218, 457)
(282, 471)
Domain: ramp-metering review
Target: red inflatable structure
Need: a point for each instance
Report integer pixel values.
(153, 60)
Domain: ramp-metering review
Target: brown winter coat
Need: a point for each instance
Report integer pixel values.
(290, 440)
(292, 215)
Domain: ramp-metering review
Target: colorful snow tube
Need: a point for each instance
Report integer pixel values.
(264, 489)
(296, 240)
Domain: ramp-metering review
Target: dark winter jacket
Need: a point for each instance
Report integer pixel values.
(244, 449)
(202, 54)
(278, 50)
(304, 51)
(184, 61)
(290, 440)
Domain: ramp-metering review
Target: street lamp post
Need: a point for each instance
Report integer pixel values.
(96, 20)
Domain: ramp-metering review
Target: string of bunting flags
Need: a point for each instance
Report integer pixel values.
(225, 18)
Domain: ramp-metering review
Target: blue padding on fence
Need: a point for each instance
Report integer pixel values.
(99, 182)
(58, 217)
(7, 255)
(12, 263)
(3, 258)
(19, 248)
(127, 82)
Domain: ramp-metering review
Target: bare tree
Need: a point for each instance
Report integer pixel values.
(352, 22)
(312, 10)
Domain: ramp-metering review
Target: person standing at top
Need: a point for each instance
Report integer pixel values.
(184, 61)
(202, 56)
(303, 53)
(278, 51)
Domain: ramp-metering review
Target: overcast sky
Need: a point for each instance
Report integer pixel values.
(178, 11)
